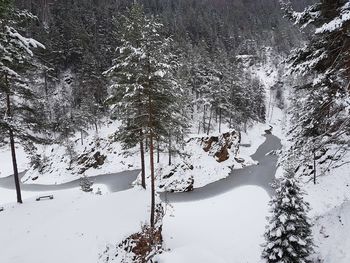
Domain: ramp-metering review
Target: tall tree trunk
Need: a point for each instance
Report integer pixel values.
(45, 85)
(220, 119)
(82, 137)
(314, 166)
(13, 148)
(142, 151)
(45, 12)
(169, 149)
(210, 116)
(47, 96)
(151, 156)
(192, 112)
(204, 113)
(158, 152)
(96, 127)
(143, 173)
(15, 169)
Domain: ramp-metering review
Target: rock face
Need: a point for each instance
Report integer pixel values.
(86, 161)
(205, 159)
(172, 182)
(218, 146)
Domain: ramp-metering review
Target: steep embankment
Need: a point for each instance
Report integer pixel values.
(201, 161)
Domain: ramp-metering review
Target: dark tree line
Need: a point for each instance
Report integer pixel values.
(80, 41)
(321, 116)
(208, 39)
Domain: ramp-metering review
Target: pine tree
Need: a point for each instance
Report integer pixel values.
(127, 76)
(322, 102)
(144, 93)
(288, 234)
(17, 108)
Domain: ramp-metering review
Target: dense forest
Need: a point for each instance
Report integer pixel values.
(80, 38)
(185, 86)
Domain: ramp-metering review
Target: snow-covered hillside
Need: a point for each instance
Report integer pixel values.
(330, 211)
(198, 165)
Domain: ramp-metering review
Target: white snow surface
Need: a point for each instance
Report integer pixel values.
(331, 233)
(330, 212)
(73, 227)
(6, 168)
(226, 228)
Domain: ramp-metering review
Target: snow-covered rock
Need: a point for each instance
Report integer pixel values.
(205, 160)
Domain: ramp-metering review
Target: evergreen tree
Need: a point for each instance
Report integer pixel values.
(144, 92)
(128, 76)
(322, 102)
(288, 234)
(86, 184)
(19, 116)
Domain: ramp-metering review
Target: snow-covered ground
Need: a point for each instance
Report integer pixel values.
(76, 226)
(331, 233)
(73, 227)
(9, 195)
(6, 168)
(226, 228)
(330, 212)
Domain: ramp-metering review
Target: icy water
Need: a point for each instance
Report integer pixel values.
(260, 175)
(115, 182)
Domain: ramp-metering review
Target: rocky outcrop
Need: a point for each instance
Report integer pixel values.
(87, 161)
(177, 180)
(219, 146)
(207, 159)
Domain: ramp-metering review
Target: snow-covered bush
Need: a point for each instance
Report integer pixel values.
(85, 184)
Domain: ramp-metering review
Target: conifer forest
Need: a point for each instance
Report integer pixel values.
(174, 131)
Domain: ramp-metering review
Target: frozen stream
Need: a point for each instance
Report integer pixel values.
(261, 175)
(114, 182)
